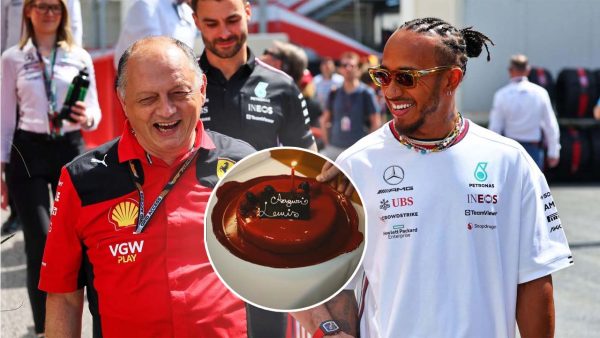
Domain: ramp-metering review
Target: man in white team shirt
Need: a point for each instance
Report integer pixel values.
(522, 111)
(463, 233)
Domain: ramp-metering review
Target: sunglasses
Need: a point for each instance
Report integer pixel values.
(46, 8)
(406, 78)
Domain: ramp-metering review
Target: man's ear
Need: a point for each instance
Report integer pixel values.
(203, 87)
(121, 101)
(248, 9)
(455, 76)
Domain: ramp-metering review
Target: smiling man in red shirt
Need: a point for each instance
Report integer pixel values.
(128, 216)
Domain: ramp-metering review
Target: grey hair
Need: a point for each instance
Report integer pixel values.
(121, 81)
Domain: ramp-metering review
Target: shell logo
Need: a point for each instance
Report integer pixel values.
(124, 214)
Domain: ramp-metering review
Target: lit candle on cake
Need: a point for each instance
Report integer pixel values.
(294, 164)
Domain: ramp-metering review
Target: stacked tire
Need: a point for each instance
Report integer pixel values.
(542, 77)
(576, 93)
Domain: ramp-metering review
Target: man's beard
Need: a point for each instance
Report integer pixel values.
(226, 54)
(434, 100)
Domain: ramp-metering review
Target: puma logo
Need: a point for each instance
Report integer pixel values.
(95, 160)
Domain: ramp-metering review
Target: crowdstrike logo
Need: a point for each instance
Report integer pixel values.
(393, 175)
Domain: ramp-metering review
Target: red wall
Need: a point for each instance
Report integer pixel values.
(113, 117)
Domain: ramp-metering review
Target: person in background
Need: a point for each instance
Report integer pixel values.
(145, 18)
(36, 142)
(293, 61)
(10, 35)
(522, 111)
(246, 98)
(352, 110)
(597, 110)
(328, 80)
(480, 265)
(12, 20)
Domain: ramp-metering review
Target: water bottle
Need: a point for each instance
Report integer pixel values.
(76, 92)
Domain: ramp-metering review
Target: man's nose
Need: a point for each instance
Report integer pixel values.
(393, 90)
(167, 107)
(225, 32)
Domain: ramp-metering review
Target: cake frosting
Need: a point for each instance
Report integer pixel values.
(280, 222)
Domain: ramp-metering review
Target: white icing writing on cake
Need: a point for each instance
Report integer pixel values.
(288, 203)
(284, 201)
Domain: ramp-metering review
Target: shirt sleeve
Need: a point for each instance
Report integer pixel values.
(550, 127)
(8, 106)
(543, 247)
(76, 22)
(295, 130)
(63, 252)
(91, 98)
(496, 117)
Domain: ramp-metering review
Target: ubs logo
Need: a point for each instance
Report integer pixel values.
(393, 175)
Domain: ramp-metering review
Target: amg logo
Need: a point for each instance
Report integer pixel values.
(556, 227)
(548, 206)
(482, 198)
(259, 108)
(552, 217)
(126, 248)
(385, 191)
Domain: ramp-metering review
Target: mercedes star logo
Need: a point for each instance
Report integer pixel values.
(393, 175)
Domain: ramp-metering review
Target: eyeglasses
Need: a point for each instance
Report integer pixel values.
(407, 78)
(348, 65)
(46, 9)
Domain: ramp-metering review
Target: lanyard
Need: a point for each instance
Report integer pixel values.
(144, 219)
(50, 89)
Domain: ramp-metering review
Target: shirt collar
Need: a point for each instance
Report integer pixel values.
(130, 149)
(209, 70)
(518, 79)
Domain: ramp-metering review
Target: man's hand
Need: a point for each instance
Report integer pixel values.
(552, 162)
(332, 175)
(3, 190)
(78, 114)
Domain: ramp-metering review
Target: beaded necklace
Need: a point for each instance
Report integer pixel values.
(425, 147)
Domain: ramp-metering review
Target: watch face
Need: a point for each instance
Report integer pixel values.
(330, 327)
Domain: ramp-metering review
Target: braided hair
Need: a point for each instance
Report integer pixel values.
(457, 45)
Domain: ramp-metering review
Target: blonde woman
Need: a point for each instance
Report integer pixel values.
(36, 75)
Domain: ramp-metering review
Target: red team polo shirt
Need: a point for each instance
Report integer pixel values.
(159, 282)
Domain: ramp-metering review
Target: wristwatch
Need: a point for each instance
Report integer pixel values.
(327, 328)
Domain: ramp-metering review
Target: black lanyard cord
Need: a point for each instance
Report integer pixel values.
(144, 219)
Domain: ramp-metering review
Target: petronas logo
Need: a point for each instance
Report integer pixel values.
(124, 214)
(480, 173)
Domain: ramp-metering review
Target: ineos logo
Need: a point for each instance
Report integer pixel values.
(393, 175)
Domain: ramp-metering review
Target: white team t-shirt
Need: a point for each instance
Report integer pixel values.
(451, 234)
